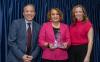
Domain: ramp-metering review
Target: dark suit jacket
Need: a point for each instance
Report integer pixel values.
(17, 40)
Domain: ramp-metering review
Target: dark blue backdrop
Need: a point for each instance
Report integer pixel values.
(12, 9)
(0, 29)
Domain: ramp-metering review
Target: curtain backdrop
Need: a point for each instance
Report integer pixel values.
(12, 9)
(0, 29)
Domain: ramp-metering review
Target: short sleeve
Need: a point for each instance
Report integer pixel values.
(88, 25)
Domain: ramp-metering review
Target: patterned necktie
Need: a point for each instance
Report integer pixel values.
(29, 39)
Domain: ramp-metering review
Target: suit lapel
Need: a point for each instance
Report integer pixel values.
(23, 27)
(61, 29)
(33, 34)
(51, 31)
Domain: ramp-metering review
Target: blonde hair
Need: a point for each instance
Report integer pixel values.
(59, 12)
(85, 17)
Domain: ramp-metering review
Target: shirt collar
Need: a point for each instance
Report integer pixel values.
(28, 21)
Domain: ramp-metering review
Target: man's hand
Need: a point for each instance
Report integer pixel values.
(30, 58)
(27, 58)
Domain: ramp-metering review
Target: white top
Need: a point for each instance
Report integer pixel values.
(27, 24)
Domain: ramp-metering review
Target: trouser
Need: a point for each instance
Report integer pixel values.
(77, 53)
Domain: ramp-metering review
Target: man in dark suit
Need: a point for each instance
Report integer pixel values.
(23, 37)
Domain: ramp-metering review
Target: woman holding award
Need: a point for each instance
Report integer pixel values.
(54, 38)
